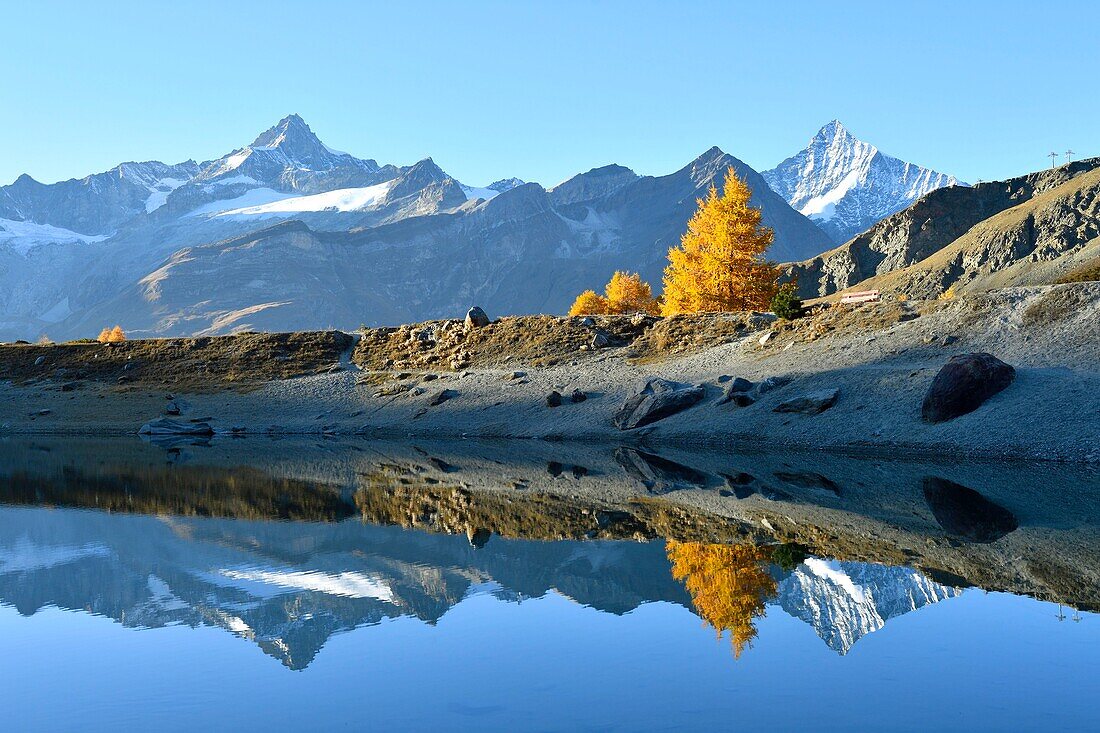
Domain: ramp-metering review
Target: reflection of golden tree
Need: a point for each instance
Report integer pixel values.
(728, 585)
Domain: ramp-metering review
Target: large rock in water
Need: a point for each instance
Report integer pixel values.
(657, 400)
(963, 384)
(167, 426)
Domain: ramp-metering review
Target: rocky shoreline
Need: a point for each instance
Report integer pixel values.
(859, 379)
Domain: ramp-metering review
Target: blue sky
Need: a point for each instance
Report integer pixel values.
(545, 90)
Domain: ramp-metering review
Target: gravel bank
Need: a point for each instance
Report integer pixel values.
(880, 357)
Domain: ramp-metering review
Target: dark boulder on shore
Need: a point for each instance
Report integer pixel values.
(658, 399)
(963, 384)
(737, 388)
(811, 403)
(442, 396)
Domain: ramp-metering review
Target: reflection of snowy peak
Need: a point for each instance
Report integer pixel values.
(844, 601)
(846, 185)
(149, 572)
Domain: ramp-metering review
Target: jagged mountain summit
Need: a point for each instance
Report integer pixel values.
(281, 151)
(286, 233)
(845, 185)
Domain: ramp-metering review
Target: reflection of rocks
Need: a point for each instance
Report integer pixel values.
(531, 490)
(478, 538)
(808, 480)
(966, 514)
(744, 485)
(167, 427)
(657, 474)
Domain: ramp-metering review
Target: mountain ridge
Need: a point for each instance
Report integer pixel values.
(930, 227)
(394, 243)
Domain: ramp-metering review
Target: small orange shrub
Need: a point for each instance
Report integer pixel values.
(625, 293)
(111, 335)
(589, 303)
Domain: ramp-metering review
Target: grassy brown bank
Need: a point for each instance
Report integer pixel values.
(197, 364)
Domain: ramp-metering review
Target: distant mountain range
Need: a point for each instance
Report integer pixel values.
(845, 185)
(286, 233)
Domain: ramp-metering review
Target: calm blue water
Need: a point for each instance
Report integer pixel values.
(155, 621)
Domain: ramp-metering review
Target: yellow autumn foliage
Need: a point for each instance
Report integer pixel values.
(720, 263)
(589, 303)
(728, 585)
(626, 292)
(111, 335)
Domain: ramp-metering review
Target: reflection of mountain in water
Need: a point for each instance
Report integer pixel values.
(290, 586)
(844, 601)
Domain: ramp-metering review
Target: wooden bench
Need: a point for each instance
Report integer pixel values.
(863, 296)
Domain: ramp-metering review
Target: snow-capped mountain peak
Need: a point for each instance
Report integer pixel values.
(505, 184)
(286, 150)
(294, 139)
(846, 185)
(493, 189)
(291, 128)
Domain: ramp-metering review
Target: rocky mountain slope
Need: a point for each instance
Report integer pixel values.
(845, 185)
(1029, 230)
(286, 233)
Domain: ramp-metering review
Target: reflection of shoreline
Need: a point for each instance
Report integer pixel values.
(289, 587)
(1022, 529)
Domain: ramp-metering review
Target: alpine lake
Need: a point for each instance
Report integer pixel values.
(336, 584)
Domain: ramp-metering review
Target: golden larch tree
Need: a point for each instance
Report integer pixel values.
(728, 585)
(720, 263)
(626, 292)
(111, 335)
(589, 303)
